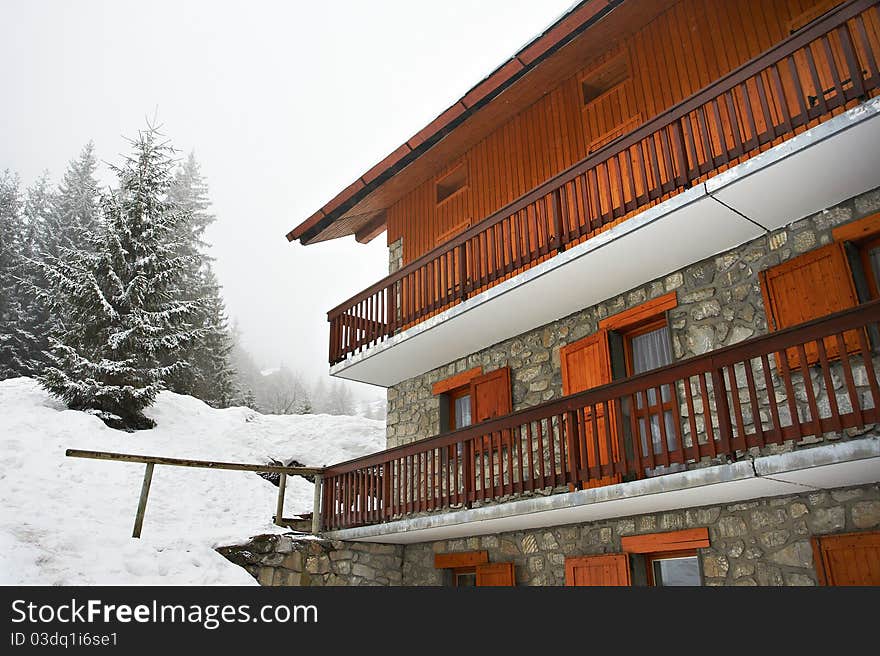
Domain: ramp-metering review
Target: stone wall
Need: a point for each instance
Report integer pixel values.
(395, 256)
(765, 542)
(296, 561)
(719, 303)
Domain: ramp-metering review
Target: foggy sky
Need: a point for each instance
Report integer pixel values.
(284, 103)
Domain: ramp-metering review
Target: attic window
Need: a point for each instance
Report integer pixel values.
(605, 78)
(451, 183)
(802, 20)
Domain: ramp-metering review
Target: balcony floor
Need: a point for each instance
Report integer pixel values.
(843, 464)
(770, 190)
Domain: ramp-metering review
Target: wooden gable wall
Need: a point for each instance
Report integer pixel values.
(681, 51)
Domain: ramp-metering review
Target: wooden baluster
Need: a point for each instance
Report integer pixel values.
(753, 402)
(852, 62)
(771, 397)
(836, 425)
(851, 390)
(692, 419)
(808, 386)
(738, 443)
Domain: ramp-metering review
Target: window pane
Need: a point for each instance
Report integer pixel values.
(874, 258)
(651, 350)
(466, 580)
(677, 571)
(463, 411)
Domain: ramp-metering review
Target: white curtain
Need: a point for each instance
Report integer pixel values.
(651, 351)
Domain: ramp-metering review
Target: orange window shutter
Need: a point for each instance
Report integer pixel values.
(491, 398)
(490, 395)
(587, 364)
(495, 574)
(605, 570)
(808, 287)
(851, 559)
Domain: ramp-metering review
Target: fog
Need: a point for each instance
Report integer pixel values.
(284, 104)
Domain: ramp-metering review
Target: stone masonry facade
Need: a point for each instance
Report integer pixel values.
(762, 542)
(292, 560)
(719, 303)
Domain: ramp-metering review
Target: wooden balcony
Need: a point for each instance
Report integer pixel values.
(814, 75)
(802, 385)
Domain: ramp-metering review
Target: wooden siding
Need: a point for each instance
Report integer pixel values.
(678, 53)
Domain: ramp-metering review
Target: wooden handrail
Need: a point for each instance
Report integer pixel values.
(152, 461)
(754, 347)
(721, 387)
(202, 464)
(710, 91)
(678, 150)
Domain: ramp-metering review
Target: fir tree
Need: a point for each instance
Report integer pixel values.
(36, 314)
(11, 242)
(126, 328)
(210, 377)
(76, 211)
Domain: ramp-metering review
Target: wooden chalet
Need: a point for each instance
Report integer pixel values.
(633, 284)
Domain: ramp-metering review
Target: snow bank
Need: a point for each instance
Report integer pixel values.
(68, 521)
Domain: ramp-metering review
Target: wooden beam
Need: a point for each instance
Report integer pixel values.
(458, 380)
(316, 507)
(463, 559)
(204, 464)
(373, 228)
(692, 538)
(279, 508)
(142, 502)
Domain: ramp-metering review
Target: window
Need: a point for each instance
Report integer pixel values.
(862, 242)
(670, 559)
(604, 79)
(459, 408)
(452, 183)
(472, 396)
(626, 344)
(790, 298)
(472, 569)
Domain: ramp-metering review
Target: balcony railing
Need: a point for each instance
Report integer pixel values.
(810, 381)
(806, 78)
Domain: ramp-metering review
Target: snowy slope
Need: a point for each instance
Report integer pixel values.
(68, 521)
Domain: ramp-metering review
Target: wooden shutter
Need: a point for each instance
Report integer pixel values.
(491, 398)
(808, 287)
(490, 395)
(587, 364)
(495, 574)
(608, 569)
(852, 559)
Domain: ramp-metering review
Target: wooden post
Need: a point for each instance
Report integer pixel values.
(316, 508)
(142, 504)
(279, 508)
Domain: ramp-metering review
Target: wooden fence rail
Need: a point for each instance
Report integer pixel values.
(152, 461)
(810, 76)
(817, 379)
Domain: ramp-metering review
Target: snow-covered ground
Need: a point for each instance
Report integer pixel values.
(68, 521)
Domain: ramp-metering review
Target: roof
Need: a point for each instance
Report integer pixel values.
(335, 218)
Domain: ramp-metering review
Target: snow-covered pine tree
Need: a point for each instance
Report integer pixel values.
(126, 329)
(210, 377)
(11, 239)
(36, 316)
(76, 210)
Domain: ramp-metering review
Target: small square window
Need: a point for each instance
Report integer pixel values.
(607, 77)
(452, 183)
(667, 571)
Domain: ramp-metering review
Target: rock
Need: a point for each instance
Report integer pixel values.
(715, 566)
(827, 520)
(773, 539)
(797, 510)
(731, 527)
(797, 554)
(866, 514)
